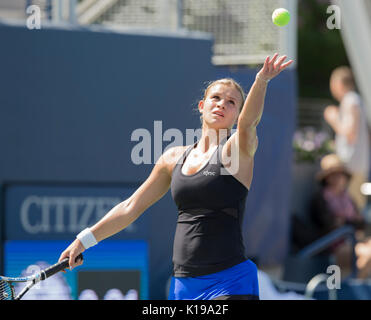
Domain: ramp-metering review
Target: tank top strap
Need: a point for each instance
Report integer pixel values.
(186, 153)
(191, 147)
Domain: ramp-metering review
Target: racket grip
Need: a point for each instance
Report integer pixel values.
(58, 267)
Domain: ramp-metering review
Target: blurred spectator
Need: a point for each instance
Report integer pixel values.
(114, 294)
(332, 207)
(351, 132)
(88, 294)
(363, 253)
(268, 290)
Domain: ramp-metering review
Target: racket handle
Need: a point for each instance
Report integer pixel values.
(58, 267)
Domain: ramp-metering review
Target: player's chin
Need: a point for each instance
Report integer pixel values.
(220, 124)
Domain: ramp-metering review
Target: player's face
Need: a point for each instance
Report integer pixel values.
(221, 106)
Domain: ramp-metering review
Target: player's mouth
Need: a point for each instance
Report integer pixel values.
(218, 113)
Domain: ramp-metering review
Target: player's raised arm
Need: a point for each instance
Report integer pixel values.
(253, 107)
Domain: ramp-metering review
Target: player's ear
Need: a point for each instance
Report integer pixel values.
(201, 106)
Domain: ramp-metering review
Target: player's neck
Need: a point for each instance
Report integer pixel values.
(211, 138)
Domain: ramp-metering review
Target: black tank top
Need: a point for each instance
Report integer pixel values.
(211, 204)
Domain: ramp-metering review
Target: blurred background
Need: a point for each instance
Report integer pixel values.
(79, 77)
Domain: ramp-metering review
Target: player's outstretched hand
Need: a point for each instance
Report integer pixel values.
(273, 67)
(73, 250)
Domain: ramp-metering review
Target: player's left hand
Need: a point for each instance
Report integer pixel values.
(273, 67)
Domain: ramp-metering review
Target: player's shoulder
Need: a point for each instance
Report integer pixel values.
(171, 156)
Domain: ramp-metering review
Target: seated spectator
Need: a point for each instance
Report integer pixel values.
(363, 253)
(332, 207)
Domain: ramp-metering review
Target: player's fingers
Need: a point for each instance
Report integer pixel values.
(273, 58)
(75, 260)
(79, 260)
(71, 261)
(65, 254)
(266, 62)
(265, 67)
(285, 65)
(272, 61)
(277, 65)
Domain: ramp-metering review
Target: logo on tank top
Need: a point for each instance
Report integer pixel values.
(209, 173)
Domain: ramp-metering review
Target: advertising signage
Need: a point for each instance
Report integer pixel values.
(114, 270)
(37, 212)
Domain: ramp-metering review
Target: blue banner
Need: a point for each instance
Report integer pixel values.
(56, 212)
(112, 270)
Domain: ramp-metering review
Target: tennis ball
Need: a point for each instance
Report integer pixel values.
(281, 17)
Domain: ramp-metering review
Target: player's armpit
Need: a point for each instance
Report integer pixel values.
(247, 141)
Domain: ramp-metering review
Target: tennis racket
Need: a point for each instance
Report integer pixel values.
(7, 291)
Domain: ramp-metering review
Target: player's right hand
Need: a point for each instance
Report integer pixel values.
(72, 251)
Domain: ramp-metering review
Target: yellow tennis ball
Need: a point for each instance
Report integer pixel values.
(281, 17)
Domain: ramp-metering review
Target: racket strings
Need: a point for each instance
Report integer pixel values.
(6, 291)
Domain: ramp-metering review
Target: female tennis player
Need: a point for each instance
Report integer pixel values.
(209, 183)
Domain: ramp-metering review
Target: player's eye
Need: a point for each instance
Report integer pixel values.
(215, 97)
(232, 102)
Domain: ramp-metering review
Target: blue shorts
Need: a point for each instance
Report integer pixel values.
(239, 280)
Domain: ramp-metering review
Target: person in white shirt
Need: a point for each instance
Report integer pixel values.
(348, 120)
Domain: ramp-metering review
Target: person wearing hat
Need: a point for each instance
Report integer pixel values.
(332, 206)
